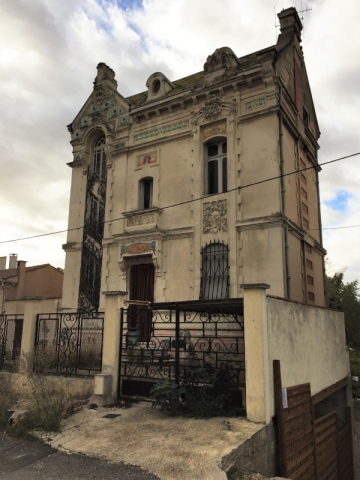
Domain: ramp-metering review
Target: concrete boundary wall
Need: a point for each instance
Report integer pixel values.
(309, 342)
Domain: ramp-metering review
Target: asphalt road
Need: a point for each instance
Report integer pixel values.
(21, 460)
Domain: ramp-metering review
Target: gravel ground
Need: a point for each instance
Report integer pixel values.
(21, 460)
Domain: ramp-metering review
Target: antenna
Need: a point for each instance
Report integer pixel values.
(276, 26)
(302, 17)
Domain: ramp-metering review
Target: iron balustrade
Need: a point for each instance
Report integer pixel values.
(11, 327)
(69, 343)
(175, 342)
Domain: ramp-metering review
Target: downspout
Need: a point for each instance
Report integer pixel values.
(283, 199)
(320, 231)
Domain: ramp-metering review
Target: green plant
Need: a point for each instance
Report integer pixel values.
(204, 392)
(167, 396)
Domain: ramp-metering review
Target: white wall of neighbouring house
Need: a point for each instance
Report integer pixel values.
(309, 342)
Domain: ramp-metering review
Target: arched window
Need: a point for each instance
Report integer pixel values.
(214, 271)
(216, 167)
(145, 193)
(99, 159)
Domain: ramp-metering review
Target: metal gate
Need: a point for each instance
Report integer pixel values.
(69, 343)
(167, 341)
(11, 327)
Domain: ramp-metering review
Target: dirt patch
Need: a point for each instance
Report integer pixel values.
(172, 448)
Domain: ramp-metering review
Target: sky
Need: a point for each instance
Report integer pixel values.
(49, 51)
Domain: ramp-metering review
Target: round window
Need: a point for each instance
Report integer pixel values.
(156, 86)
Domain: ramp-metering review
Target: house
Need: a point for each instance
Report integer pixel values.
(18, 282)
(196, 186)
(195, 239)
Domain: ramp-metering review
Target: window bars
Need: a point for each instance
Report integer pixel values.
(215, 278)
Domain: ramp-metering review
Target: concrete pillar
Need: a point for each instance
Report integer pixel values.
(114, 301)
(31, 309)
(256, 353)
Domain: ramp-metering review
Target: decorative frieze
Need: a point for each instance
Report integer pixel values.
(214, 108)
(217, 129)
(119, 145)
(146, 158)
(138, 248)
(161, 131)
(255, 104)
(140, 220)
(215, 216)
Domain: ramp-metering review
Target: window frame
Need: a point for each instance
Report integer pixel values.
(221, 159)
(144, 202)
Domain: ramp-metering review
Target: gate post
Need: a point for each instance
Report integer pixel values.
(256, 353)
(114, 301)
(31, 309)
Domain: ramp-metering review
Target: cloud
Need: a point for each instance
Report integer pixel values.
(48, 63)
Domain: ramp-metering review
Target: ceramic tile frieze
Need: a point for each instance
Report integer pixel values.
(161, 131)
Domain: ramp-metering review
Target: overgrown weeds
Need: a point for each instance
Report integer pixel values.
(45, 401)
(204, 392)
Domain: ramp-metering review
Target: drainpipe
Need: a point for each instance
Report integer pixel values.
(320, 232)
(283, 200)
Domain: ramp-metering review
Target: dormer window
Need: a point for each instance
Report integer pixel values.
(158, 86)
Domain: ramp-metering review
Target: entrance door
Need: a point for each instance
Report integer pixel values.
(141, 288)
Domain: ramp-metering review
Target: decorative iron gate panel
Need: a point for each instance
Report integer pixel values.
(179, 341)
(11, 327)
(69, 343)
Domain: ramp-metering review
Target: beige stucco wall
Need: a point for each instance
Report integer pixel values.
(309, 342)
(48, 305)
(249, 107)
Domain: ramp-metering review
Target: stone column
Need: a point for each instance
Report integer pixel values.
(106, 384)
(256, 353)
(31, 309)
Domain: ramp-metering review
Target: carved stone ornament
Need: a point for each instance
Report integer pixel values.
(222, 58)
(215, 216)
(140, 220)
(213, 109)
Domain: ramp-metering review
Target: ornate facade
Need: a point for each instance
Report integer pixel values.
(224, 160)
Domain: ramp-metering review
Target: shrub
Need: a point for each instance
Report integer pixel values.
(204, 392)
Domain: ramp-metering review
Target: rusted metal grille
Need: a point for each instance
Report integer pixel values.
(214, 271)
(11, 327)
(178, 341)
(69, 344)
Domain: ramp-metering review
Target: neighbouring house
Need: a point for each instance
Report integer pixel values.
(18, 282)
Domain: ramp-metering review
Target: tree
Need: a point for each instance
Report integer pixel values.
(345, 297)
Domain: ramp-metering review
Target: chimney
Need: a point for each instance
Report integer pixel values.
(2, 263)
(12, 260)
(290, 23)
(105, 77)
(21, 279)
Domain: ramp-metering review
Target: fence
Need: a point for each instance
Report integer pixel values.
(170, 344)
(69, 343)
(11, 327)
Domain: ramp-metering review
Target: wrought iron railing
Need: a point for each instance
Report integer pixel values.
(69, 343)
(11, 327)
(215, 278)
(170, 343)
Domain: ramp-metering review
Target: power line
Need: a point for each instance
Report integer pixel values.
(201, 198)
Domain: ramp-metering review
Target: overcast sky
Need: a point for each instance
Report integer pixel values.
(48, 57)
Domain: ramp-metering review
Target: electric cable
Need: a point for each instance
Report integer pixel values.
(206, 197)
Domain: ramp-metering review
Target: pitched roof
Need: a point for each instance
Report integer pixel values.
(190, 82)
(12, 272)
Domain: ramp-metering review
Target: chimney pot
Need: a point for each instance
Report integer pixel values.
(12, 260)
